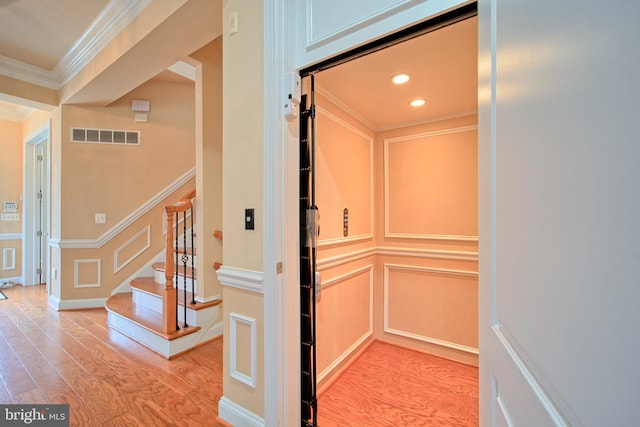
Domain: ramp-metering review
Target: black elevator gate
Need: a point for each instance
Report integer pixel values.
(308, 238)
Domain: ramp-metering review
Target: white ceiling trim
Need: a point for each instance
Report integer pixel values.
(14, 113)
(116, 16)
(320, 90)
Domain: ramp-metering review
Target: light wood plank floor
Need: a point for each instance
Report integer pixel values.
(107, 378)
(110, 380)
(393, 386)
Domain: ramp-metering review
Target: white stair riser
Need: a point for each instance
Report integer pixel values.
(154, 302)
(144, 299)
(210, 328)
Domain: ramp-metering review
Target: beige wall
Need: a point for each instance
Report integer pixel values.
(426, 234)
(243, 188)
(110, 178)
(208, 130)
(406, 272)
(11, 172)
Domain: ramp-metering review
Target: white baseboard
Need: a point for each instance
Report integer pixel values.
(236, 415)
(15, 280)
(76, 304)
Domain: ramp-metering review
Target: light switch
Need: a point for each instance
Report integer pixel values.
(233, 23)
(249, 219)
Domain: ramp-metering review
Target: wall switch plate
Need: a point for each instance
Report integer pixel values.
(101, 218)
(249, 219)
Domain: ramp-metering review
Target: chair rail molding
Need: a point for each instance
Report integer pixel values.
(126, 222)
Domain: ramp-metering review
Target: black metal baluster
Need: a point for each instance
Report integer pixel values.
(193, 268)
(184, 264)
(175, 282)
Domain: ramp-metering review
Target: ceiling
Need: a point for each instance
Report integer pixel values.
(38, 38)
(42, 36)
(443, 68)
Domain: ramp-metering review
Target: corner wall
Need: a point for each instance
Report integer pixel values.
(11, 171)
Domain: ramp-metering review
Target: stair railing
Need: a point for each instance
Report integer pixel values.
(172, 265)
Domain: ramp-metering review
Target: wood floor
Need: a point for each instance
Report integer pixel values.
(392, 386)
(109, 380)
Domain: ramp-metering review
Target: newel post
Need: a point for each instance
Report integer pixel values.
(169, 293)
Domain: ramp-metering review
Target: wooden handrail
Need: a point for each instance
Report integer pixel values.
(169, 297)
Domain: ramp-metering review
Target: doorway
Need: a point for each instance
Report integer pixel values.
(397, 261)
(36, 209)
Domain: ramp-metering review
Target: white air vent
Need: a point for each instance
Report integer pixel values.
(105, 136)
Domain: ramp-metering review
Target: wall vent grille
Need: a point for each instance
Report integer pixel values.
(105, 136)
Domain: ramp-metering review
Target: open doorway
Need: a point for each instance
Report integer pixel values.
(396, 190)
(36, 208)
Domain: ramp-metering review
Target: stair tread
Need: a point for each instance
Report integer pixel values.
(148, 285)
(160, 266)
(151, 320)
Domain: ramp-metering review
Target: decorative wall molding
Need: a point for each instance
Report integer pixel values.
(359, 133)
(316, 38)
(387, 231)
(406, 334)
(347, 257)
(117, 266)
(348, 352)
(9, 259)
(239, 278)
(126, 222)
(440, 237)
(343, 240)
(531, 379)
(344, 258)
(428, 253)
(368, 333)
(76, 267)
(236, 415)
(430, 270)
(10, 236)
(251, 378)
(341, 278)
(433, 119)
(430, 340)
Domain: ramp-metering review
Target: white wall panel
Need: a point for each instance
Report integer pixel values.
(332, 26)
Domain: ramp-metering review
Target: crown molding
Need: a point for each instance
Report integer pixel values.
(116, 16)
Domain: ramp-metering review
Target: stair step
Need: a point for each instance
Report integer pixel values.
(148, 285)
(123, 305)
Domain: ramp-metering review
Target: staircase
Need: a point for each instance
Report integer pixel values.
(162, 311)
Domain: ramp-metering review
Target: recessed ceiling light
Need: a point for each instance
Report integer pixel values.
(417, 102)
(400, 79)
